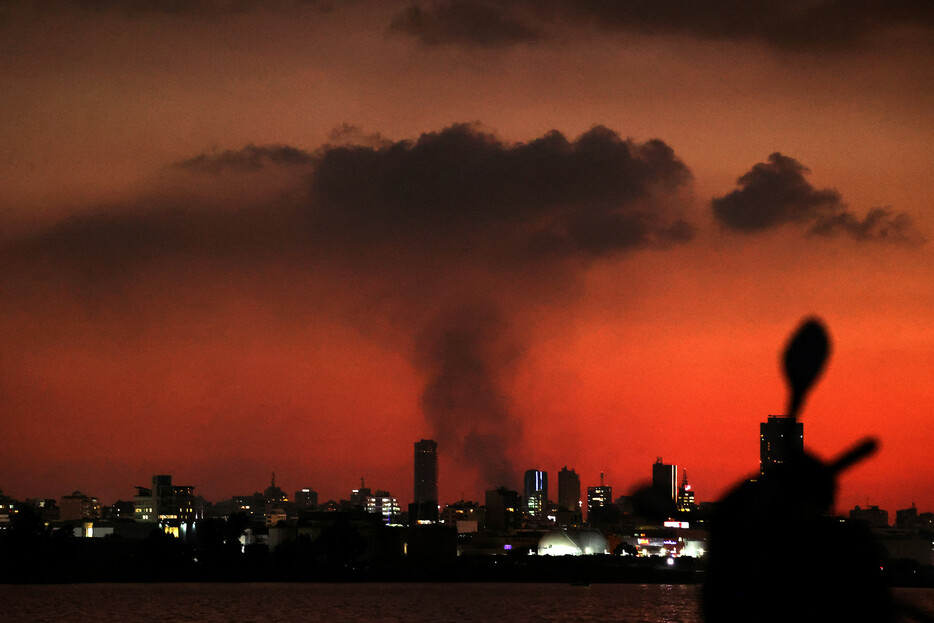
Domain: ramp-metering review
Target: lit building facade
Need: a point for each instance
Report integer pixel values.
(306, 499)
(462, 515)
(383, 504)
(78, 506)
(358, 496)
(598, 498)
(572, 543)
(275, 502)
(685, 494)
(536, 492)
(166, 503)
(673, 540)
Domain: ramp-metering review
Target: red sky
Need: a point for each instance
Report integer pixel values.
(176, 301)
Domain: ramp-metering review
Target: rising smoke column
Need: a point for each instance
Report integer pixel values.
(469, 356)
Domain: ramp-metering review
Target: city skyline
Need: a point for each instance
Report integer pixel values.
(663, 483)
(244, 237)
(538, 476)
(662, 477)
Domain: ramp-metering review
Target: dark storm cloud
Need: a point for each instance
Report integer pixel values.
(205, 8)
(776, 193)
(782, 23)
(588, 197)
(137, 7)
(550, 196)
(464, 21)
(795, 24)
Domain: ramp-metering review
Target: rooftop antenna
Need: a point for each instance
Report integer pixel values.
(601, 479)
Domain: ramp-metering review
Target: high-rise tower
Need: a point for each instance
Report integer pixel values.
(779, 437)
(665, 480)
(425, 490)
(536, 491)
(569, 490)
(685, 494)
(599, 501)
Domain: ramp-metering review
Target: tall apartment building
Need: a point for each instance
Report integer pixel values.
(425, 490)
(665, 480)
(536, 492)
(569, 490)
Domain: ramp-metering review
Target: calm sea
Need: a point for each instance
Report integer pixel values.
(334, 603)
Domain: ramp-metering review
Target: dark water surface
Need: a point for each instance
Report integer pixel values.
(333, 603)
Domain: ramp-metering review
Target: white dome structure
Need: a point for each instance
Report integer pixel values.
(572, 543)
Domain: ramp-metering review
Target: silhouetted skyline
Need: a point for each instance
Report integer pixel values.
(239, 237)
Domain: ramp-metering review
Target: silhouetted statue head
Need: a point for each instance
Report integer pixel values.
(775, 553)
(804, 360)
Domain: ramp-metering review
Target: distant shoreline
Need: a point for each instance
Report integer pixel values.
(576, 570)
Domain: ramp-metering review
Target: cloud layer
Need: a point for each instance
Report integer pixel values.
(775, 193)
(441, 242)
(551, 197)
(204, 8)
(445, 250)
(462, 21)
(249, 158)
(803, 24)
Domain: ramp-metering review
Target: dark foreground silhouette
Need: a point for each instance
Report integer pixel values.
(775, 553)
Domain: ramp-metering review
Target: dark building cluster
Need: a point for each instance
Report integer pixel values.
(661, 521)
